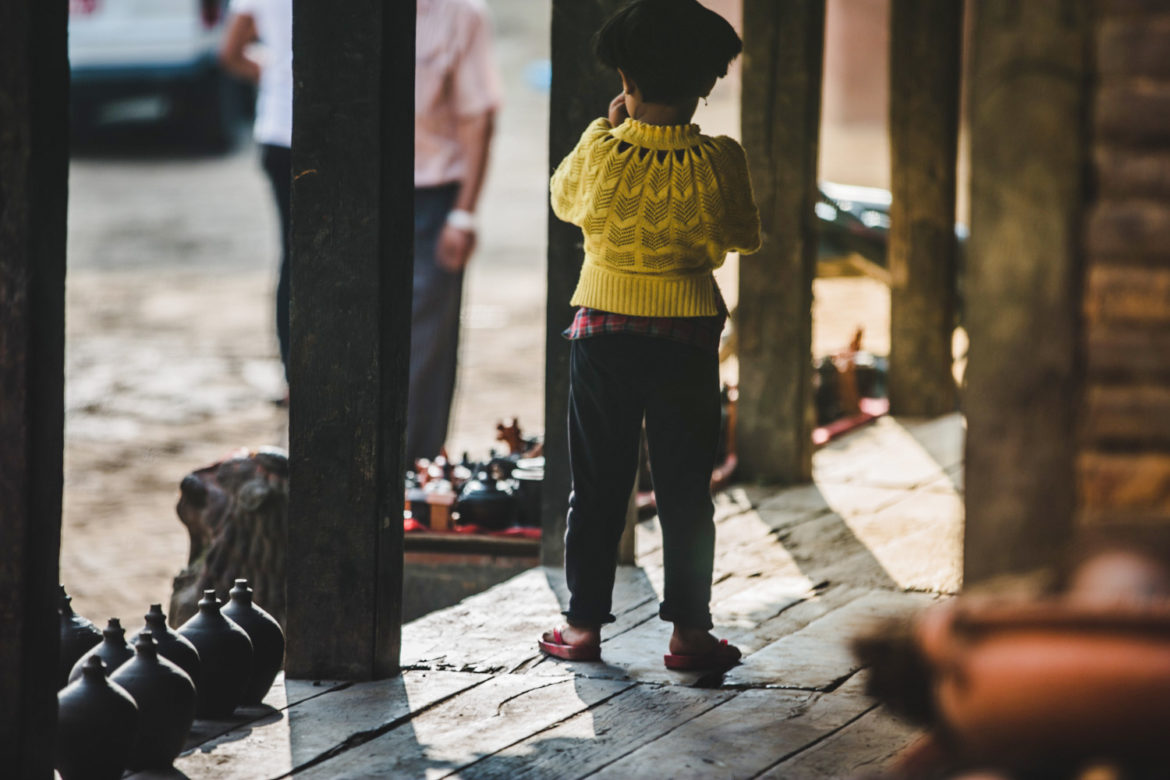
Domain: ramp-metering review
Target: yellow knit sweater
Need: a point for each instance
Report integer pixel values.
(660, 208)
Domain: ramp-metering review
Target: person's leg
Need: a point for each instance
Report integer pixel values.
(434, 337)
(277, 163)
(682, 430)
(605, 424)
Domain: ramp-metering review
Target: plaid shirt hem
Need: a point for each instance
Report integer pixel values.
(702, 332)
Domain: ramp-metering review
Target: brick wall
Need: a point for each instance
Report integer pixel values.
(1124, 461)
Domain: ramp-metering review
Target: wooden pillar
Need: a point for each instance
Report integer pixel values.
(34, 164)
(581, 91)
(1029, 90)
(782, 63)
(925, 43)
(352, 239)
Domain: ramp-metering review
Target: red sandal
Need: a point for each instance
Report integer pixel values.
(724, 656)
(560, 649)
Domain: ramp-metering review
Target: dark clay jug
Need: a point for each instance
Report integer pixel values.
(267, 640)
(113, 649)
(77, 636)
(225, 658)
(165, 696)
(483, 504)
(170, 644)
(96, 724)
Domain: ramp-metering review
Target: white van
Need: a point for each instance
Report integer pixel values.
(153, 61)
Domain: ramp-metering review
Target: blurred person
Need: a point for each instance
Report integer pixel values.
(269, 22)
(457, 94)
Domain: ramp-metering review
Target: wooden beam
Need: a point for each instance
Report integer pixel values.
(352, 239)
(925, 44)
(782, 63)
(581, 90)
(1029, 93)
(34, 165)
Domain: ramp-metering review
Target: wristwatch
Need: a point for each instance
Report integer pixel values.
(461, 219)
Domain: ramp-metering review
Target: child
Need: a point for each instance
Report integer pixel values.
(659, 205)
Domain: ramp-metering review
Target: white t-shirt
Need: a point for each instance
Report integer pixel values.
(273, 19)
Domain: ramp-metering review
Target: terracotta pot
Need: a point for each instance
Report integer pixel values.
(225, 658)
(78, 635)
(267, 641)
(170, 644)
(1051, 681)
(97, 722)
(113, 650)
(165, 695)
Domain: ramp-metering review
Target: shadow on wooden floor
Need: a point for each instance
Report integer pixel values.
(798, 572)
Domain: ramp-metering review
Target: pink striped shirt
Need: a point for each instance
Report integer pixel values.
(455, 77)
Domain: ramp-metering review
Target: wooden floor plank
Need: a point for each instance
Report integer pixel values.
(798, 573)
(285, 740)
(758, 600)
(872, 549)
(818, 656)
(750, 638)
(795, 504)
(728, 504)
(637, 653)
(867, 745)
(634, 652)
(891, 454)
(589, 741)
(282, 694)
(942, 437)
(492, 631)
(746, 547)
(475, 724)
(925, 561)
(498, 629)
(743, 736)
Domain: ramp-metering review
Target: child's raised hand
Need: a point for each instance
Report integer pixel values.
(617, 110)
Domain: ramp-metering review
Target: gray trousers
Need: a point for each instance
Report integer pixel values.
(434, 337)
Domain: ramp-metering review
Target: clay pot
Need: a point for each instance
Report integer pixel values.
(165, 695)
(267, 640)
(97, 722)
(483, 504)
(77, 636)
(1049, 681)
(170, 644)
(528, 482)
(113, 649)
(225, 658)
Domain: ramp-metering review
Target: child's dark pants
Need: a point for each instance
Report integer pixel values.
(615, 380)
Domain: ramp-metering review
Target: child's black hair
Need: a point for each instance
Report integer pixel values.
(671, 49)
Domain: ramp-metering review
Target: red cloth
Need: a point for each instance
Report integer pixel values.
(410, 525)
